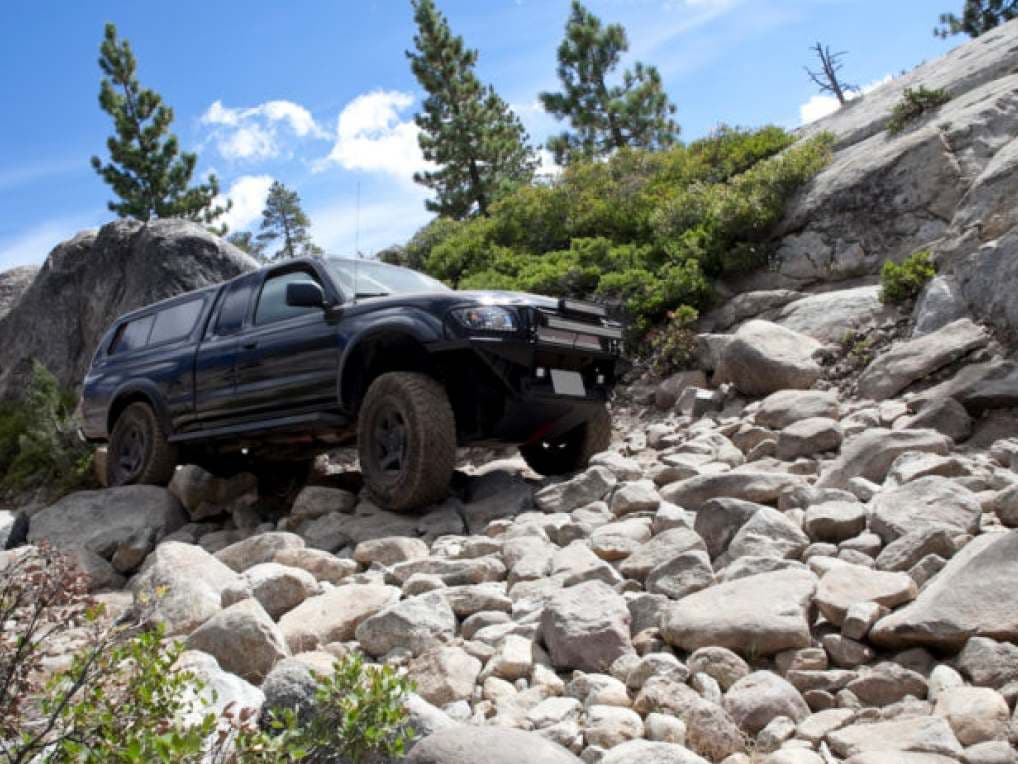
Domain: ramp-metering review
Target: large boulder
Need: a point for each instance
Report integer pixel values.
(785, 407)
(415, 624)
(974, 595)
(14, 282)
(871, 453)
(764, 357)
(978, 387)
(461, 745)
(755, 700)
(922, 734)
(650, 752)
(910, 361)
(845, 585)
(243, 639)
(828, 316)
(335, 615)
(758, 487)
(131, 518)
(757, 615)
(929, 502)
(586, 627)
(94, 277)
(181, 586)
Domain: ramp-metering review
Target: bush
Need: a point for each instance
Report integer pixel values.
(913, 105)
(124, 700)
(672, 347)
(646, 232)
(39, 443)
(899, 283)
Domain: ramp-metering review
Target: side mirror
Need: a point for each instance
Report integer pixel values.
(304, 294)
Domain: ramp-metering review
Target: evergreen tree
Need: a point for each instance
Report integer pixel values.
(477, 142)
(977, 17)
(146, 168)
(635, 113)
(284, 221)
(246, 241)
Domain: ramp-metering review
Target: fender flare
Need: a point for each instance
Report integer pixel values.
(406, 326)
(141, 389)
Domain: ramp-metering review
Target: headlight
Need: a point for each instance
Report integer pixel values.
(488, 318)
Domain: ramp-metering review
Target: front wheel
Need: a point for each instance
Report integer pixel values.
(570, 452)
(139, 451)
(406, 440)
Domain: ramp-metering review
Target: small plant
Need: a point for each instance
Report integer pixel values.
(673, 346)
(914, 103)
(900, 283)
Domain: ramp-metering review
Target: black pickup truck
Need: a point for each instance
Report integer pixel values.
(275, 366)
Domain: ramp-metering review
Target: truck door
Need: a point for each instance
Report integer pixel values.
(216, 359)
(287, 358)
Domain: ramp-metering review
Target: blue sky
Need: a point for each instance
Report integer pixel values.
(318, 93)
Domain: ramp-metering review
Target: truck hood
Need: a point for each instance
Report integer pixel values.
(451, 298)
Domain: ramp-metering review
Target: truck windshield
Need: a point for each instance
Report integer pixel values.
(367, 278)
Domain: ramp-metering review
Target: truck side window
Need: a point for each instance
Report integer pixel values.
(272, 301)
(133, 335)
(234, 310)
(176, 322)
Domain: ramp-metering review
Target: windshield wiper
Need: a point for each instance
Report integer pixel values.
(371, 294)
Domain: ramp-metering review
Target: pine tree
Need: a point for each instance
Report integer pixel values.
(977, 17)
(633, 114)
(146, 168)
(246, 241)
(467, 130)
(285, 221)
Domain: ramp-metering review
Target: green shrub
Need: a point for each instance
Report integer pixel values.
(39, 444)
(899, 283)
(645, 231)
(915, 103)
(672, 346)
(124, 700)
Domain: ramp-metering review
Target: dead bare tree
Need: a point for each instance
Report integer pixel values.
(827, 79)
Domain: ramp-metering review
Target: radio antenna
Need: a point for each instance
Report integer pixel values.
(357, 244)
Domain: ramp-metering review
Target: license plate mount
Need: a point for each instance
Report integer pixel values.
(568, 383)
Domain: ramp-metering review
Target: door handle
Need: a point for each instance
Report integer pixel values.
(250, 345)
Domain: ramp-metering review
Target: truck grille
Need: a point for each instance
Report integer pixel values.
(579, 325)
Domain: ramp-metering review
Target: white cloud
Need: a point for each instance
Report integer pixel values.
(248, 194)
(257, 132)
(820, 106)
(372, 137)
(340, 229)
(31, 246)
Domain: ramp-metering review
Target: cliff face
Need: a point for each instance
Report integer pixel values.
(89, 280)
(946, 183)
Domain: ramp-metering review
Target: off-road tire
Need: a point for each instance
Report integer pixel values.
(573, 450)
(139, 451)
(419, 406)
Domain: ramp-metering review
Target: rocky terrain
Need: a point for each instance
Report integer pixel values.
(804, 551)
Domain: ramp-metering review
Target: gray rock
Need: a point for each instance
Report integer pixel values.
(586, 627)
(786, 407)
(828, 316)
(662, 548)
(257, 549)
(944, 415)
(768, 533)
(689, 572)
(460, 745)
(988, 663)
(635, 496)
(103, 521)
(319, 500)
(277, 588)
(764, 357)
(13, 283)
(929, 502)
(696, 402)
(389, 551)
(414, 624)
(835, 521)
(718, 520)
(650, 752)
(13, 528)
(1005, 506)
(759, 615)
(221, 689)
(91, 279)
(185, 585)
(923, 734)
(243, 639)
(971, 596)
(808, 437)
(667, 392)
(976, 714)
(444, 674)
(870, 454)
(940, 303)
(844, 585)
(204, 495)
(978, 387)
(322, 565)
(907, 550)
(756, 700)
(335, 615)
(587, 487)
(886, 683)
(759, 487)
(916, 359)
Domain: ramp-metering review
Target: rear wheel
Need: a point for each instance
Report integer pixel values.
(571, 451)
(406, 440)
(139, 451)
